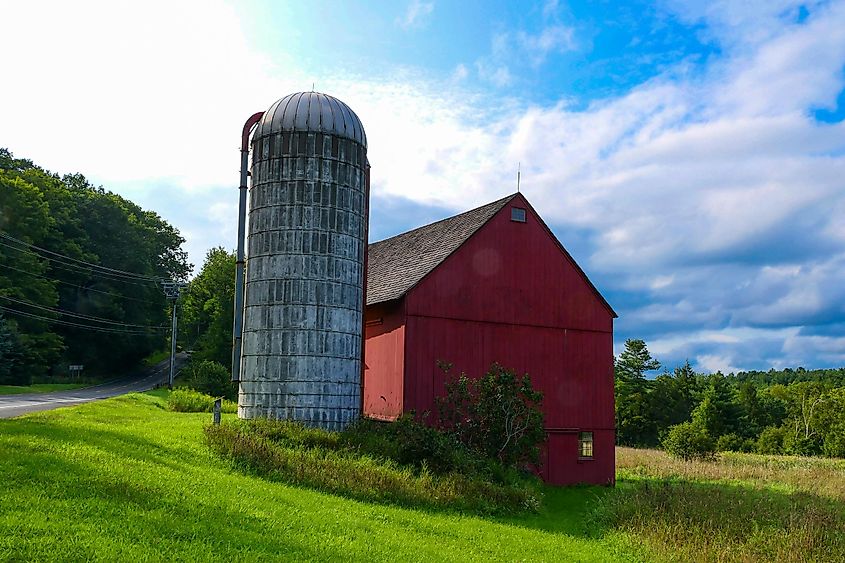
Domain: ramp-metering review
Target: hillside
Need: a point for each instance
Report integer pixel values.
(126, 479)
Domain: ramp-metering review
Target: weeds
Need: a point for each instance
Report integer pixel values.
(740, 507)
(358, 464)
(188, 400)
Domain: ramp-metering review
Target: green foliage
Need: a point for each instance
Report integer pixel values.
(188, 400)
(748, 411)
(408, 442)
(636, 423)
(361, 467)
(689, 440)
(208, 308)
(770, 440)
(497, 415)
(71, 217)
(9, 372)
(634, 361)
(211, 378)
(734, 443)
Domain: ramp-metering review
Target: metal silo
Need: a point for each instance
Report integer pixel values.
(304, 291)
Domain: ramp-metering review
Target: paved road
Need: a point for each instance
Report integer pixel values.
(16, 405)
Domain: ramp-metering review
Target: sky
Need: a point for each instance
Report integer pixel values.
(689, 155)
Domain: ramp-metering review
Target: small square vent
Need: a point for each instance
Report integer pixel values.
(518, 214)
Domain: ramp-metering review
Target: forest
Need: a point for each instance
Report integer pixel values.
(799, 412)
(80, 276)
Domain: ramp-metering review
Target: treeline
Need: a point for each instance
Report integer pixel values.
(207, 309)
(79, 275)
(800, 412)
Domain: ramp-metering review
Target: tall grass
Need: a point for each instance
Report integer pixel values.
(739, 507)
(824, 477)
(292, 454)
(188, 400)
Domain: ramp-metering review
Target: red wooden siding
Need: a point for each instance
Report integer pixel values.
(384, 357)
(511, 295)
(513, 273)
(563, 467)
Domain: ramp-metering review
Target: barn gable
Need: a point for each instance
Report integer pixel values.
(397, 264)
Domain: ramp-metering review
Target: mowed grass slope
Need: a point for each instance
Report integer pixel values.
(126, 479)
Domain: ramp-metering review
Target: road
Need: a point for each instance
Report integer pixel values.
(16, 405)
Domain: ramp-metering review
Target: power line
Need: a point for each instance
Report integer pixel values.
(74, 269)
(80, 315)
(102, 269)
(118, 295)
(77, 325)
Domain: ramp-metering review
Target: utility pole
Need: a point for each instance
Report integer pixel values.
(171, 291)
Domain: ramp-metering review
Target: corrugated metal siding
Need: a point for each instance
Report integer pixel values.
(384, 357)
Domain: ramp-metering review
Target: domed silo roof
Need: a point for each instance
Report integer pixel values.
(312, 111)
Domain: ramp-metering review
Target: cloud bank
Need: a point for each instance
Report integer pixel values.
(707, 203)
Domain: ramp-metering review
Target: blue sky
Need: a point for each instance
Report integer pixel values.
(690, 155)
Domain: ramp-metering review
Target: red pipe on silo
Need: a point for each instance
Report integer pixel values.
(237, 330)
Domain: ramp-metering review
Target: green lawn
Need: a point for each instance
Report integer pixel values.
(39, 388)
(126, 479)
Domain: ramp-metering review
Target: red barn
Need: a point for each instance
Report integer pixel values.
(494, 285)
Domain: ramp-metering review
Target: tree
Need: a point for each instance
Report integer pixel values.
(805, 402)
(636, 424)
(212, 379)
(208, 308)
(634, 361)
(51, 228)
(8, 357)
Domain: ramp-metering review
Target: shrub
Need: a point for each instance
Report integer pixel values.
(290, 453)
(410, 442)
(212, 379)
(734, 443)
(498, 415)
(689, 440)
(188, 400)
(770, 441)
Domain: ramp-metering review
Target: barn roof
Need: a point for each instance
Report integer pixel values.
(397, 264)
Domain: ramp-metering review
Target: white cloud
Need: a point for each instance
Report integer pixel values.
(460, 73)
(416, 14)
(553, 38)
(715, 195)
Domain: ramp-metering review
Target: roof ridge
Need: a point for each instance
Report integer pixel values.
(501, 202)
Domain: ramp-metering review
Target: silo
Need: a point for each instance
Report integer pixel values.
(304, 291)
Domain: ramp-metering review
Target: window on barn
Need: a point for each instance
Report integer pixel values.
(585, 445)
(518, 214)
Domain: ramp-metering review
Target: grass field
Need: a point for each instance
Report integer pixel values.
(126, 479)
(39, 388)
